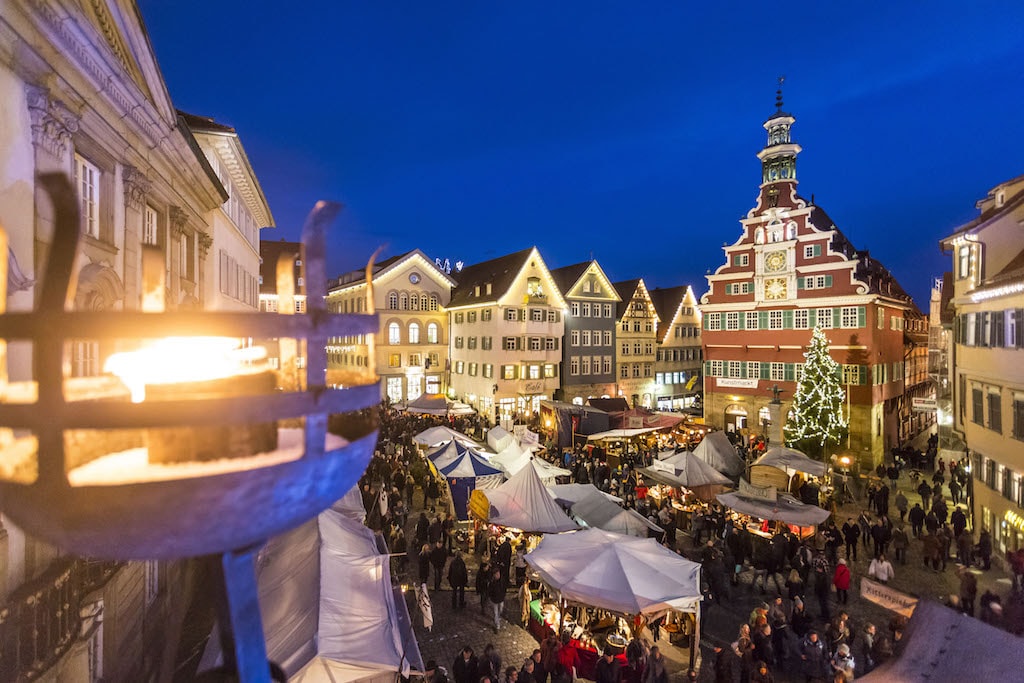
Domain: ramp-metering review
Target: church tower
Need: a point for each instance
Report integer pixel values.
(778, 158)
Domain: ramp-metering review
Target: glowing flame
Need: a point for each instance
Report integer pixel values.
(181, 359)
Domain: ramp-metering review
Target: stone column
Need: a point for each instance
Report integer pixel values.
(775, 430)
(176, 220)
(136, 187)
(204, 242)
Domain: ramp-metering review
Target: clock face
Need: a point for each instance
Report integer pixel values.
(775, 288)
(414, 278)
(775, 261)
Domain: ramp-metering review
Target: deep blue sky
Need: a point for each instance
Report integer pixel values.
(623, 130)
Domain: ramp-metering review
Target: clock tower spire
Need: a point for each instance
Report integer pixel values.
(778, 158)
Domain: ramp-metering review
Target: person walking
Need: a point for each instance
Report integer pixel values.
(465, 668)
(901, 504)
(917, 515)
(841, 580)
(881, 569)
(438, 558)
(656, 670)
(458, 577)
(496, 596)
(900, 542)
(968, 590)
(851, 534)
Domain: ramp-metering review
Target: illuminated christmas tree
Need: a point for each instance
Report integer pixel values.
(817, 420)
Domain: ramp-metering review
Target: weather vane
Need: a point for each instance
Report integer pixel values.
(778, 94)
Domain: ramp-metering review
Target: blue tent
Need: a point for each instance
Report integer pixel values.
(465, 473)
(446, 453)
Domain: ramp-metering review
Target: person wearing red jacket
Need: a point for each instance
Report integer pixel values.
(841, 580)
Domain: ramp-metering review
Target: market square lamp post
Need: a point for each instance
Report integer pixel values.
(221, 471)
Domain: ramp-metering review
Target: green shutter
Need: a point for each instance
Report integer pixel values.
(812, 318)
(707, 368)
(743, 369)
(766, 370)
(817, 250)
(862, 374)
(762, 320)
(837, 318)
(828, 280)
(799, 283)
(743, 320)
(787, 320)
(790, 371)
(861, 316)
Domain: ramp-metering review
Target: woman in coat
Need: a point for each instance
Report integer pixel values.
(841, 580)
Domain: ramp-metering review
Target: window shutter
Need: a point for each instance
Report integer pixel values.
(817, 252)
(812, 318)
(828, 280)
(787, 320)
(799, 283)
(766, 371)
(790, 371)
(861, 316)
(837, 318)
(707, 368)
(762, 320)
(743, 320)
(743, 369)
(556, 343)
(978, 330)
(998, 340)
(862, 374)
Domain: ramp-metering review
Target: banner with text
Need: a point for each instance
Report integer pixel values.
(880, 594)
(748, 490)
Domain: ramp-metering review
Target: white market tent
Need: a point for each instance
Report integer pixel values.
(620, 433)
(598, 512)
(617, 573)
(716, 450)
(791, 461)
(466, 473)
(447, 453)
(784, 509)
(513, 459)
(323, 670)
(523, 503)
(359, 612)
(438, 435)
(693, 471)
(568, 495)
(498, 438)
(428, 404)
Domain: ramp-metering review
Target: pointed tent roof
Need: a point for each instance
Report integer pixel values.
(499, 438)
(523, 502)
(570, 494)
(469, 465)
(428, 404)
(716, 450)
(447, 453)
(791, 460)
(785, 508)
(617, 573)
(599, 512)
(695, 472)
(440, 434)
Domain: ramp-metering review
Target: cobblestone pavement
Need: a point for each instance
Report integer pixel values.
(720, 621)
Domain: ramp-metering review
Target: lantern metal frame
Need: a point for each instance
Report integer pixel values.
(227, 515)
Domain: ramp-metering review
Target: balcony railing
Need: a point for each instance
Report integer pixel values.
(42, 618)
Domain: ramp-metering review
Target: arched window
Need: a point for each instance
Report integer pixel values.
(424, 303)
(414, 333)
(791, 230)
(433, 302)
(759, 236)
(394, 334)
(414, 302)
(393, 301)
(432, 333)
(403, 301)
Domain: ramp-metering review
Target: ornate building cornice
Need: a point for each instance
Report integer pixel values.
(53, 123)
(178, 219)
(136, 187)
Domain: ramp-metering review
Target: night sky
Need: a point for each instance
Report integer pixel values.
(623, 131)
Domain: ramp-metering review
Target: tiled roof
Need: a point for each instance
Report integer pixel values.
(626, 290)
(666, 303)
(205, 124)
(568, 276)
(500, 273)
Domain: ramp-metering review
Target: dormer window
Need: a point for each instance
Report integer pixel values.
(533, 287)
(963, 262)
(1000, 199)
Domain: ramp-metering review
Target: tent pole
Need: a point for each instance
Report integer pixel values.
(695, 637)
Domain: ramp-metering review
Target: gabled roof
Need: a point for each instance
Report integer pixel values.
(666, 304)
(500, 273)
(566, 277)
(626, 290)
(990, 209)
(382, 268)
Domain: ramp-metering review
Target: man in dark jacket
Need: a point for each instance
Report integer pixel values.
(496, 596)
(438, 558)
(607, 669)
(458, 577)
(851, 534)
(464, 669)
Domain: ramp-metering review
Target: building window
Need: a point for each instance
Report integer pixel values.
(471, 343)
(549, 344)
(149, 233)
(716, 369)
(574, 308)
(395, 360)
(472, 369)
(754, 369)
(414, 333)
(850, 317)
(963, 262)
(414, 360)
(537, 315)
(574, 338)
(800, 319)
(488, 370)
(394, 333)
(778, 372)
(509, 343)
(775, 320)
(403, 301)
(485, 343)
(432, 333)
(393, 302)
(1018, 419)
(824, 318)
(714, 321)
(585, 365)
(734, 369)
(574, 365)
(458, 342)
(395, 389)
(485, 315)
(470, 317)
(606, 364)
(606, 337)
(85, 359)
(535, 344)
(995, 412)
(549, 370)
(636, 348)
(512, 314)
(751, 320)
(459, 367)
(87, 180)
(585, 310)
(533, 287)
(732, 321)
(812, 251)
(977, 407)
(851, 374)
(741, 259)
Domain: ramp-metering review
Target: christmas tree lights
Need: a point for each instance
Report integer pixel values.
(817, 420)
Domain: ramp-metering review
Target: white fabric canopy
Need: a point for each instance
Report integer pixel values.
(498, 438)
(620, 433)
(597, 511)
(791, 461)
(512, 459)
(570, 494)
(323, 670)
(785, 509)
(428, 404)
(695, 472)
(437, 435)
(618, 573)
(716, 450)
(523, 503)
(358, 616)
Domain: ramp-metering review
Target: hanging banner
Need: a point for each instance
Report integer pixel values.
(880, 594)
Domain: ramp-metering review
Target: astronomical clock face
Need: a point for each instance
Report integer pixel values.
(775, 288)
(775, 261)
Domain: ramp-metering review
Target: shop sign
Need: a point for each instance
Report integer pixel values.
(533, 387)
(479, 506)
(663, 466)
(735, 383)
(924, 405)
(748, 490)
(880, 594)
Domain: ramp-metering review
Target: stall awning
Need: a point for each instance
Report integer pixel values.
(784, 509)
(791, 461)
(620, 433)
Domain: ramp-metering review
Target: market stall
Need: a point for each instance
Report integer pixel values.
(514, 458)
(686, 470)
(521, 503)
(438, 435)
(779, 466)
(568, 495)
(716, 450)
(599, 512)
(466, 473)
(604, 587)
(758, 505)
